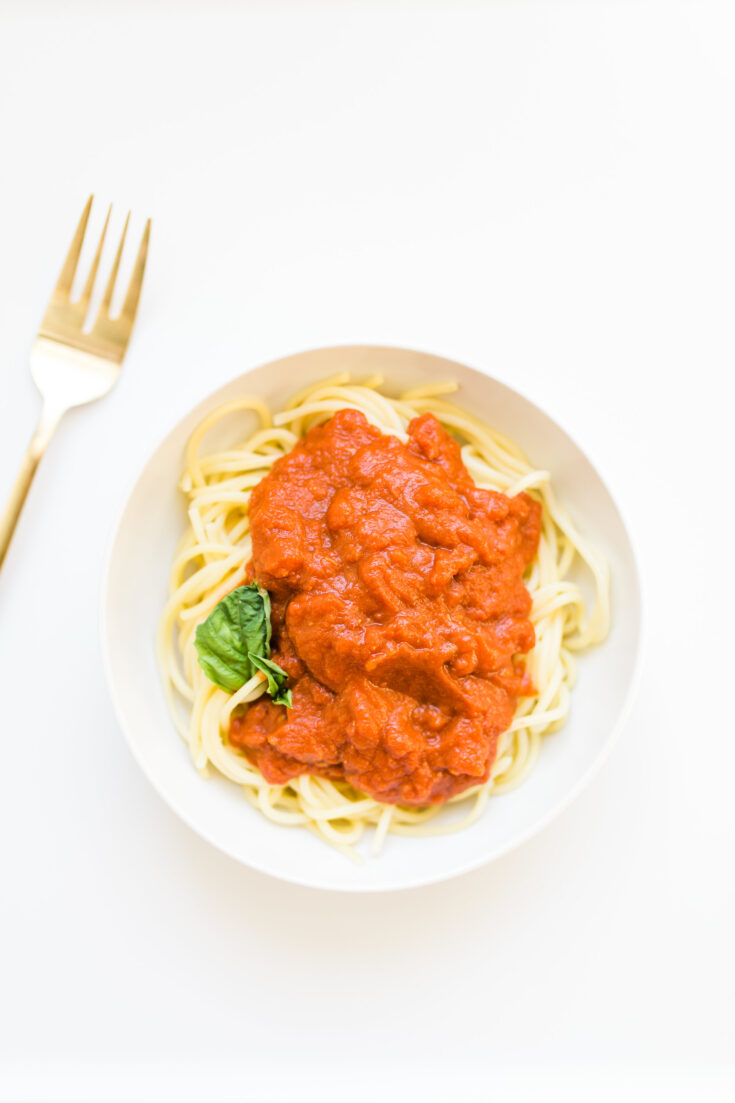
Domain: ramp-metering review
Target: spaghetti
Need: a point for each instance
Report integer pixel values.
(217, 545)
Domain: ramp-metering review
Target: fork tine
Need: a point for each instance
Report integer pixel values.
(107, 297)
(89, 285)
(66, 277)
(130, 305)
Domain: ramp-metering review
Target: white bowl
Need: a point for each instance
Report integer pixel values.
(135, 589)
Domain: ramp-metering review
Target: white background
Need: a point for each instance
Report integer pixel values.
(546, 190)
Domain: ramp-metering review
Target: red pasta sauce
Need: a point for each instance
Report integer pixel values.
(398, 610)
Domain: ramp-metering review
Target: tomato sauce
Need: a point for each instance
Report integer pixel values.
(398, 610)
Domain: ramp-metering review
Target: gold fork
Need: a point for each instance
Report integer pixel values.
(71, 367)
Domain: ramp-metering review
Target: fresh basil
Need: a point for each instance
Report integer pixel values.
(277, 678)
(235, 639)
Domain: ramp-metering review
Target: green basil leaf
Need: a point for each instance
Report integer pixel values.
(239, 626)
(277, 678)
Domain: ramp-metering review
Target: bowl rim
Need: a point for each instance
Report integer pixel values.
(421, 880)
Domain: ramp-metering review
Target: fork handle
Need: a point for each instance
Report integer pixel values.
(47, 422)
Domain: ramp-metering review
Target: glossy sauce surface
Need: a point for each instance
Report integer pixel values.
(398, 610)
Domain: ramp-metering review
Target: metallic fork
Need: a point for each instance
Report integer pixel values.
(71, 367)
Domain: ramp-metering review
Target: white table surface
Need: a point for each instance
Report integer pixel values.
(545, 190)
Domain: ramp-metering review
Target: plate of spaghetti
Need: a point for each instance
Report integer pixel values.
(370, 619)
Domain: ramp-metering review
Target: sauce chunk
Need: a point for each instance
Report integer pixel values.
(398, 610)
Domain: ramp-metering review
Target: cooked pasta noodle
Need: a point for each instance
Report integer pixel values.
(216, 548)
